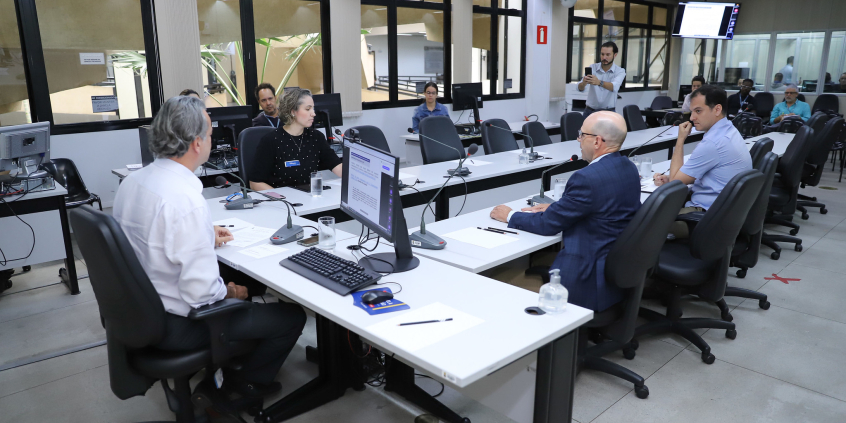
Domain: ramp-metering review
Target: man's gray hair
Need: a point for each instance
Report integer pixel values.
(610, 132)
(786, 86)
(179, 122)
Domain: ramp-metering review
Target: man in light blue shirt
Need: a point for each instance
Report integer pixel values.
(720, 155)
(605, 82)
(790, 106)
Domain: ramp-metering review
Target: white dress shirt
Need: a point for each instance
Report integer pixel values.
(162, 211)
(599, 97)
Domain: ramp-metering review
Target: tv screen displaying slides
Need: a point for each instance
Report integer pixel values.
(706, 20)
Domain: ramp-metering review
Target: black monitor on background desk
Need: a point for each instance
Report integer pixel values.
(327, 104)
(370, 195)
(227, 124)
(468, 96)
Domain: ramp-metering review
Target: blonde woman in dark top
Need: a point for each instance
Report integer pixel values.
(289, 155)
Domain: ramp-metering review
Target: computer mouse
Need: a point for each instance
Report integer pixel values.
(376, 297)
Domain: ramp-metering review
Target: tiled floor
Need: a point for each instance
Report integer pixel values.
(786, 364)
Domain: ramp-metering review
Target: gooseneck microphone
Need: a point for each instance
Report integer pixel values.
(242, 203)
(675, 124)
(532, 154)
(542, 199)
(461, 171)
(285, 234)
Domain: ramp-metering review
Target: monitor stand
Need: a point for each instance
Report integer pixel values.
(401, 260)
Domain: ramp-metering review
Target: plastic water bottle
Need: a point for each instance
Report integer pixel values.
(524, 157)
(553, 295)
(316, 184)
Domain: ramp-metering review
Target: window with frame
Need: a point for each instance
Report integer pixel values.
(640, 30)
(14, 98)
(499, 44)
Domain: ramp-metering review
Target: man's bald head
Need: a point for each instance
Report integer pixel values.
(608, 125)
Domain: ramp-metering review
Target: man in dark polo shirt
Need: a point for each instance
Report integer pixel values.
(266, 96)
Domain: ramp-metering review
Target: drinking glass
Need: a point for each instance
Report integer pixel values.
(316, 184)
(326, 232)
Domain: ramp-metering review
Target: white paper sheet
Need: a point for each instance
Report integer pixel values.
(473, 162)
(251, 235)
(646, 185)
(238, 224)
(480, 238)
(415, 337)
(263, 250)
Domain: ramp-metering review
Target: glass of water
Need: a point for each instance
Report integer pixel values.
(559, 186)
(316, 184)
(645, 167)
(326, 232)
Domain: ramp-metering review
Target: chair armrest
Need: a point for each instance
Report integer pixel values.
(692, 217)
(218, 309)
(217, 316)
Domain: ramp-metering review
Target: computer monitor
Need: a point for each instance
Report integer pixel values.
(463, 96)
(370, 195)
(227, 124)
(327, 106)
(24, 147)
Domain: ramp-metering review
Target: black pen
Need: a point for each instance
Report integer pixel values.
(503, 230)
(224, 226)
(426, 321)
(491, 230)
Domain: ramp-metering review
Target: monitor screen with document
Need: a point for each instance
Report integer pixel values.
(368, 187)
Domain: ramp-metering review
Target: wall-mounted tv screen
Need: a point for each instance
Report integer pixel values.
(706, 20)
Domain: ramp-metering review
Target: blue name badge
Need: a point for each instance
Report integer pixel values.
(292, 163)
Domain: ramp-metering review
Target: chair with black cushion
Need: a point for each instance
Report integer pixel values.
(661, 102)
(442, 129)
(812, 171)
(496, 140)
(671, 117)
(627, 265)
(248, 142)
(571, 123)
(371, 136)
(699, 265)
(759, 149)
(790, 124)
(801, 97)
(537, 131)
(764, 104)
(748, 124)
(134, 318)
(634, 120)
(785, 191)
(826, 103)
(66, 174)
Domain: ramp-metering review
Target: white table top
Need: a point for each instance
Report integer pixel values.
(506, 334)
(474, 258)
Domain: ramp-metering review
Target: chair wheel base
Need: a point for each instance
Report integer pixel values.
(764, 304)
(629, 353)
(642, 391)
(823, 210)
(726, 316)
(634, 344)
(730, 334)
(741, 273)
(798, 247)
(707, 357)
(805, 216)
(794, 231)
(775, 255)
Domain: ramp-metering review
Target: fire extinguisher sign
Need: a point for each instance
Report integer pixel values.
(543, 34)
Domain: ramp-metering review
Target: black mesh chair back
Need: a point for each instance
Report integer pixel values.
(661, 102)
(764, 104)
(66, 174)
(636, 251)
(442, 129)
(830, 133)
(537, 131)
(496, 140)
(826, 103)
(748, 124)
(634, 120)
(817, 121)
(759, 150)
(801, 97)
(748, 245)
(248, 142)
(793, 160)
(371, 136)
(571, 123)
(671, 117)
(790, 124)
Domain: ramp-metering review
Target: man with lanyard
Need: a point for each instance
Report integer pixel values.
(605, 82)
(791, 106)
(742, 101)
(266, 96)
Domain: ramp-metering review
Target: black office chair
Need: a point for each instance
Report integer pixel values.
(634, 120)
(661, 102)
(66, 174)
(747, 247)
(442, 129)
(371, 136)
(699, 265)
(789, 125)
(826, 103)
(801, 97)
(628, 262)
(748, 124)
(812, 171)
(671, 117)
(537, 131)
(134, 318)
(764, 104)
(785, 191)
(248, 142)
(571, 123)
(759, 150)
(496, 140)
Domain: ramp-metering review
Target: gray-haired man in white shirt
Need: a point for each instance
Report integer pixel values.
(167, 221)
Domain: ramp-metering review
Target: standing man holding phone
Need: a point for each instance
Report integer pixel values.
(605, 79)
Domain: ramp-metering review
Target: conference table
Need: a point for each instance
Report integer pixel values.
(207, 175)
(484, 337)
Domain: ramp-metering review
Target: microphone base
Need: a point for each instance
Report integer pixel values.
(241, 204)
(285, 234)
(428, 241)
(533, 156)
(461, 172)
(541, 200)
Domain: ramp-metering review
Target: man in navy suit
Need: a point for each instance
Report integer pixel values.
(597, 205)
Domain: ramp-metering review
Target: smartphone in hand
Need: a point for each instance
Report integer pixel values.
(588, 71)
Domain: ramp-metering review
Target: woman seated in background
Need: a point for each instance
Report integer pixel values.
(288, 155)
(430, 108)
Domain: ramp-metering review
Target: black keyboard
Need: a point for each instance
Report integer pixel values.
(330, 271)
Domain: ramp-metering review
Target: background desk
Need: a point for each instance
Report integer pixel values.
(206, 175)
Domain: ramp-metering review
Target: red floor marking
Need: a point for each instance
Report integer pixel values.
(785, 280)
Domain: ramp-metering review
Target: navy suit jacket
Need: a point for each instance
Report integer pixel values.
(598, 203)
